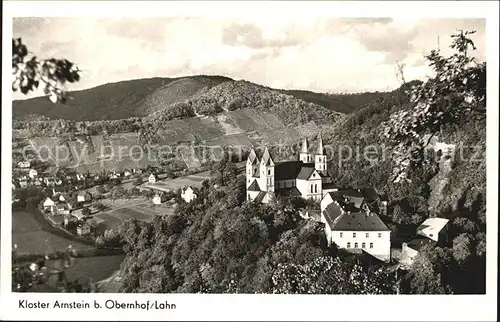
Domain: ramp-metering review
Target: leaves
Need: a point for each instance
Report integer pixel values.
(456, 93)
(29, 72)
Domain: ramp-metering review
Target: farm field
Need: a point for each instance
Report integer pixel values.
(29, 237)
(122, 210)
(95, 267)
(194, 180)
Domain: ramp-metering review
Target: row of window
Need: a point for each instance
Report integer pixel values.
(367, 235)
(314, 188)
(363, 245)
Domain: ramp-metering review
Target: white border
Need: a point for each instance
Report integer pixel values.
(264, 307)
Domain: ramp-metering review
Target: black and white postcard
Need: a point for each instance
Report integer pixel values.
(249, 161)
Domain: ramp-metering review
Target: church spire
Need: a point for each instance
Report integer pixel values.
(305, 146)
(320, 150)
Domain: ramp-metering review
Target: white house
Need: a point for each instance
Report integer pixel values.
(83, 196)
(127, 173)
(433, 228)
(32, 173)
(159, 198)
(49, 204)
(307, 177)
(429, 233)
(153, 178)
(24, 164)
(188, 194)
(357, 230)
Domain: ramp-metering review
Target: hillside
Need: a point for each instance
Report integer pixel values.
(141, 97)
(343, 103)
(133, 98)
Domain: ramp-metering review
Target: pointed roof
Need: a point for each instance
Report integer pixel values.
(252, 157)
(266, 158)
(305, 146)
(321, 149)
(254, 186)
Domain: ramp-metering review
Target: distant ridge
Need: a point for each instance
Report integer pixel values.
(142, 97)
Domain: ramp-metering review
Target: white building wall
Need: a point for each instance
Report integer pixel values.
(377, 243)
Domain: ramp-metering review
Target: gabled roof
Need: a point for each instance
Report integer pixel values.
(254, 186)
(293, 191)
(266, 158)
(305, 173)
(332, 212)
(260, 196)
(253, 159)
(357, 221)
(287, 170)
(348, 198)
(433, 224)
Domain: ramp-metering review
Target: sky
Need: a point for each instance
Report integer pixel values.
(334, 55)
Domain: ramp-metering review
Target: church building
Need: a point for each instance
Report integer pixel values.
(307, 177)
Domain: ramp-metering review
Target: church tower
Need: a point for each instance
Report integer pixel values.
(266, 178)
(252, 167)
(320, 157)
(304, 154)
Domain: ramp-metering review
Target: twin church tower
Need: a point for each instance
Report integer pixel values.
(308, 177)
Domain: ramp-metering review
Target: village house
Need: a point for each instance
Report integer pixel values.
(24, 164)
(63, 209)
(153, 178)
(127, 173)
(83, 196)
(431, 232)
(307, 177)
(49, 205)
(37, 182)
(32, 173)
(83, 229)
(188, 194)
(159, 198)
(357, 229)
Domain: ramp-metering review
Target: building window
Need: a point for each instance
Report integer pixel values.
(379, 235)
(431, 235)
(367, 235)
(355, 245)
(316, 189)
(341, 235)
(311, 188)
(363, 245)
(371, 245)
(269, 172)
(353, 235)
(348, 245)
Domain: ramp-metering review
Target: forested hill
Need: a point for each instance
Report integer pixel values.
(141, 97)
